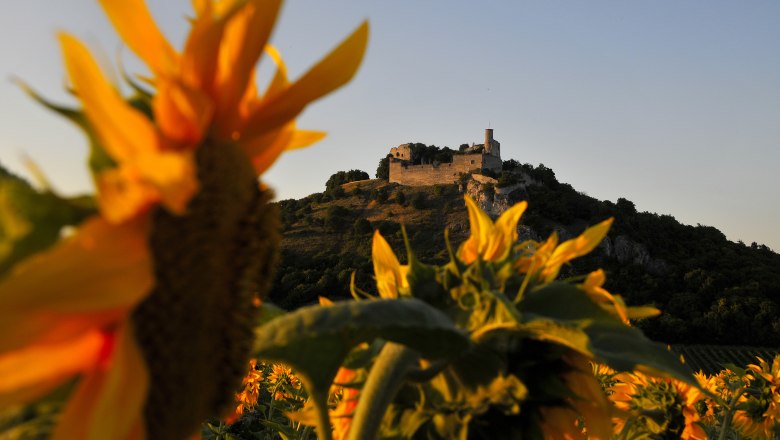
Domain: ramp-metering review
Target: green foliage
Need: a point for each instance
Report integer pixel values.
(379, 195)
(422, 153)
(400, 197)
(383, 169)
(33, 220)
(626, 206)
(362, 226)
(316, 340)
(336, 217)
(509, 165)
(342, 177)
(508, 178)
(419, 200)
(580, 324)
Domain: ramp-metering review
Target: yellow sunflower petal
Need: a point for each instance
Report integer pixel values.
(109, 401)
(243, 42)
(506, 231)
(101, 267)
(329, 74)
(481, 229)
(173, 175)
(123, 193)
(387, 269)
(576, 247)
(182, 113)
(304, 138)
(31, 372)
(19, 329)
(124, 131)
(264, 150)
(131, 18)
(280, 80)
(201, 51)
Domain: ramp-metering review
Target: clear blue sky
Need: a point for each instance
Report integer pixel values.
(673, 105)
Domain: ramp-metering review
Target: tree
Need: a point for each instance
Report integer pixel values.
(626, 206)
(336, 217)
(509, 165)
(362, 226)
(400, 197)
(383, 170)
(419, 201)
(342, 177)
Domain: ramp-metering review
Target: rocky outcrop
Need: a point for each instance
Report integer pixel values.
(493, 200)
(626, 251)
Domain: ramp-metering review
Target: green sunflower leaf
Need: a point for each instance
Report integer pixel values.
(31, 220)
(315, 340)
(570, 314)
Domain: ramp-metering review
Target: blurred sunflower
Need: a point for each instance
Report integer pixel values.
(247, 398)
(282, 382)
(658, 407)
(758, 410)
(149, 303)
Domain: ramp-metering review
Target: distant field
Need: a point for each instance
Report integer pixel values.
(710, 358)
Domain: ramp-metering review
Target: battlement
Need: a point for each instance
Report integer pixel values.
(404, 173)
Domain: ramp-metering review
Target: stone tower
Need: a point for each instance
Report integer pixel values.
(492, 147)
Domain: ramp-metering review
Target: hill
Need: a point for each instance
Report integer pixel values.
(711, 290)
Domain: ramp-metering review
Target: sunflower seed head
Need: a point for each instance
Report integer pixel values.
(196, 327)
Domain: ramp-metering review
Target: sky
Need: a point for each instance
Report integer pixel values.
(672, 105)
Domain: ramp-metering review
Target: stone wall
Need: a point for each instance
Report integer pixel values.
(431, 174)
(493, 163)
(402, 152)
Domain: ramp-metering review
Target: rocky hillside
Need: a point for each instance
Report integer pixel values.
(711, 290)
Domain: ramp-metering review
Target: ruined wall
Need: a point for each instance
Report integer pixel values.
(402, 152)
(492, 163)
(430, 174)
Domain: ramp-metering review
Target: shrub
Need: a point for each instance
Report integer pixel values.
(342, 177)
(419, 201)
(362, 226)
(400, 198)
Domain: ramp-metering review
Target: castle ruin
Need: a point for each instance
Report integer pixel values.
(476, 158)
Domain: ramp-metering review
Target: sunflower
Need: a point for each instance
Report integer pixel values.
(154, 295)
(247, 398)
(390, 274)
(490, 241)
(586, 414)
(281, 381)
(758, 412)
(658, 407)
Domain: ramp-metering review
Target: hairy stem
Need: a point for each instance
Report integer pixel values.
(323, 419)
(729, 416)
(384, 380)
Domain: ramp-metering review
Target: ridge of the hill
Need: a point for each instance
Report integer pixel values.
(711, 290)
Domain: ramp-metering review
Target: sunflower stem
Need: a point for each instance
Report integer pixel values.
(323, 419)
(729, 416)
(386, 377)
